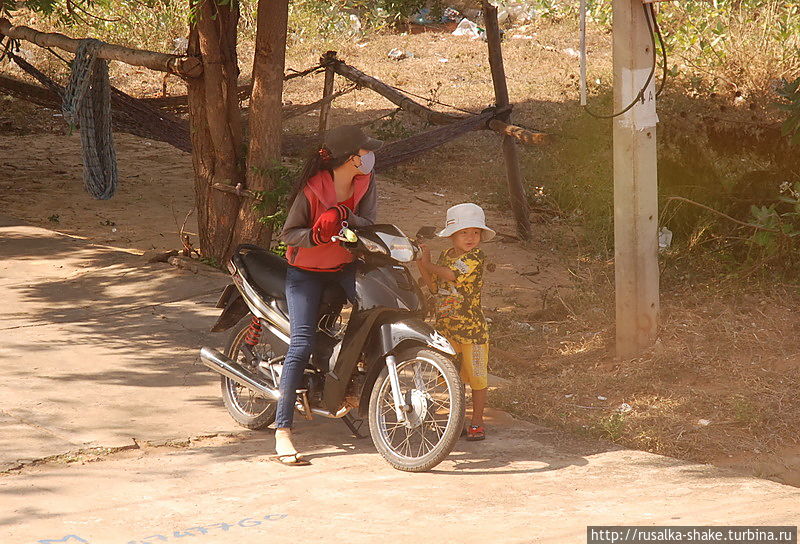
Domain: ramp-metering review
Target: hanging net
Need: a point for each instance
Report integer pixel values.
(87, 104)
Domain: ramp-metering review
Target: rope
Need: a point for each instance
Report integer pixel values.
(432, 100)
(460, 109)
(87, 103)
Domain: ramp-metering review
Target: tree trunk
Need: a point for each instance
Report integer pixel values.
(265, 120)
(215, 126)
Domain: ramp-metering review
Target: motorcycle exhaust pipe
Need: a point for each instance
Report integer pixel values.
(222, 364)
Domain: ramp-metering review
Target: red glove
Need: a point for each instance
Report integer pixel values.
(329, 224)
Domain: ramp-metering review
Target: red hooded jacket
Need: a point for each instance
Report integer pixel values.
(317, 196)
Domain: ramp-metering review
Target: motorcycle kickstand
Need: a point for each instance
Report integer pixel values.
(350, 421)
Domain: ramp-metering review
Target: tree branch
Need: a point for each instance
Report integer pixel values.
(726, 216)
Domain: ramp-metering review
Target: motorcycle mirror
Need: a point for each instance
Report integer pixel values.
(426, 232)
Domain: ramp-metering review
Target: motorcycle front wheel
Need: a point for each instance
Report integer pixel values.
(430, 386)
(244, 405)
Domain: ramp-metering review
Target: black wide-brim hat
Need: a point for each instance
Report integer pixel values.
(349, 139)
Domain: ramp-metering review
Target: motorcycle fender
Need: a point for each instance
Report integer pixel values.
(229, 293)
(393, 335)
(234, 309)
(392, 338)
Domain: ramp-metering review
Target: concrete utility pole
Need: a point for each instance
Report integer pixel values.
(635, 182)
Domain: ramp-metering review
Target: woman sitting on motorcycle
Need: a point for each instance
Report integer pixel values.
(336, 185)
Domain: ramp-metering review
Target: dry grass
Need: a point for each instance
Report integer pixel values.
(719, 384)
(742, 47)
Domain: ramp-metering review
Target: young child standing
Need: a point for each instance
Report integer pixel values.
(456, 280)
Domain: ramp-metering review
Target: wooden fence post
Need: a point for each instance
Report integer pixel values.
(328, 59)
(516, 190)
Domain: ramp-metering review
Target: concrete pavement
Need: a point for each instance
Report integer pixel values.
(98, 350)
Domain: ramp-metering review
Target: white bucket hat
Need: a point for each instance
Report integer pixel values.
(466, 216)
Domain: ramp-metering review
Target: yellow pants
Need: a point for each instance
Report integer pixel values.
(474, 364)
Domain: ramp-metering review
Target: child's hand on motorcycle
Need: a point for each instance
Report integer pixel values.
(425, 253)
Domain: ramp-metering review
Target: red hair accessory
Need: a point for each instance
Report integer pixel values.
(325, 154)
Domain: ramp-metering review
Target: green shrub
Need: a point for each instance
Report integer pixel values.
(789, 92)
(272, 203)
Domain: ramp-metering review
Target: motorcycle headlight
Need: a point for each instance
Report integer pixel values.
(402, 252)
(373, 247)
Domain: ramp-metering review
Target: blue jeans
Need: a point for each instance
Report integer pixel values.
(303, 294)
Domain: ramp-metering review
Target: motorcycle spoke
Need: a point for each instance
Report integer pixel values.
(393, 432)
(425, 445)
(439, 430)
(405, 445)
(432, 445)
(440, 406)
(388, 410)
(434, 380)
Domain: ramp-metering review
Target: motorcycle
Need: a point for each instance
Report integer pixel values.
(385, 363)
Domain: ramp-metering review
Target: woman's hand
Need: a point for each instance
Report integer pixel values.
(328, 224)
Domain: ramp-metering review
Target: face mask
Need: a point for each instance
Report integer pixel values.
(367, 163)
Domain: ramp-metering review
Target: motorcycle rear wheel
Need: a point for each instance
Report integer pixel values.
(429, 382)
(245, 406)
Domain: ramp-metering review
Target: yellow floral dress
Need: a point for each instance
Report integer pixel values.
(458, 304)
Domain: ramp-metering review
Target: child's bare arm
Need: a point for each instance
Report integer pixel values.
(443, 272)
(425, 257)
(426, 267)
(426, 277)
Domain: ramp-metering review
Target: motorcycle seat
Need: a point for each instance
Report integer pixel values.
(267, 271)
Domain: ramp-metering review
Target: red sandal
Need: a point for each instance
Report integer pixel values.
(475, 433)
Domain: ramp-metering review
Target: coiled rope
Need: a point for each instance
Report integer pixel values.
(87, 103)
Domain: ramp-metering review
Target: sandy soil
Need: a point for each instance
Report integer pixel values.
(43, 185)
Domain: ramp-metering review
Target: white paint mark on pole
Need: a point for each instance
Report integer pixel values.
(643, 115)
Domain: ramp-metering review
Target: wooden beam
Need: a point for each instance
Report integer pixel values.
(516, 189)
(183, 66)
(635, 183)
(399, 151)
(523, 135)
(41, 96)
(392, 95)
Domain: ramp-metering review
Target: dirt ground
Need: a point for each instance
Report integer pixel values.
(720, 385)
